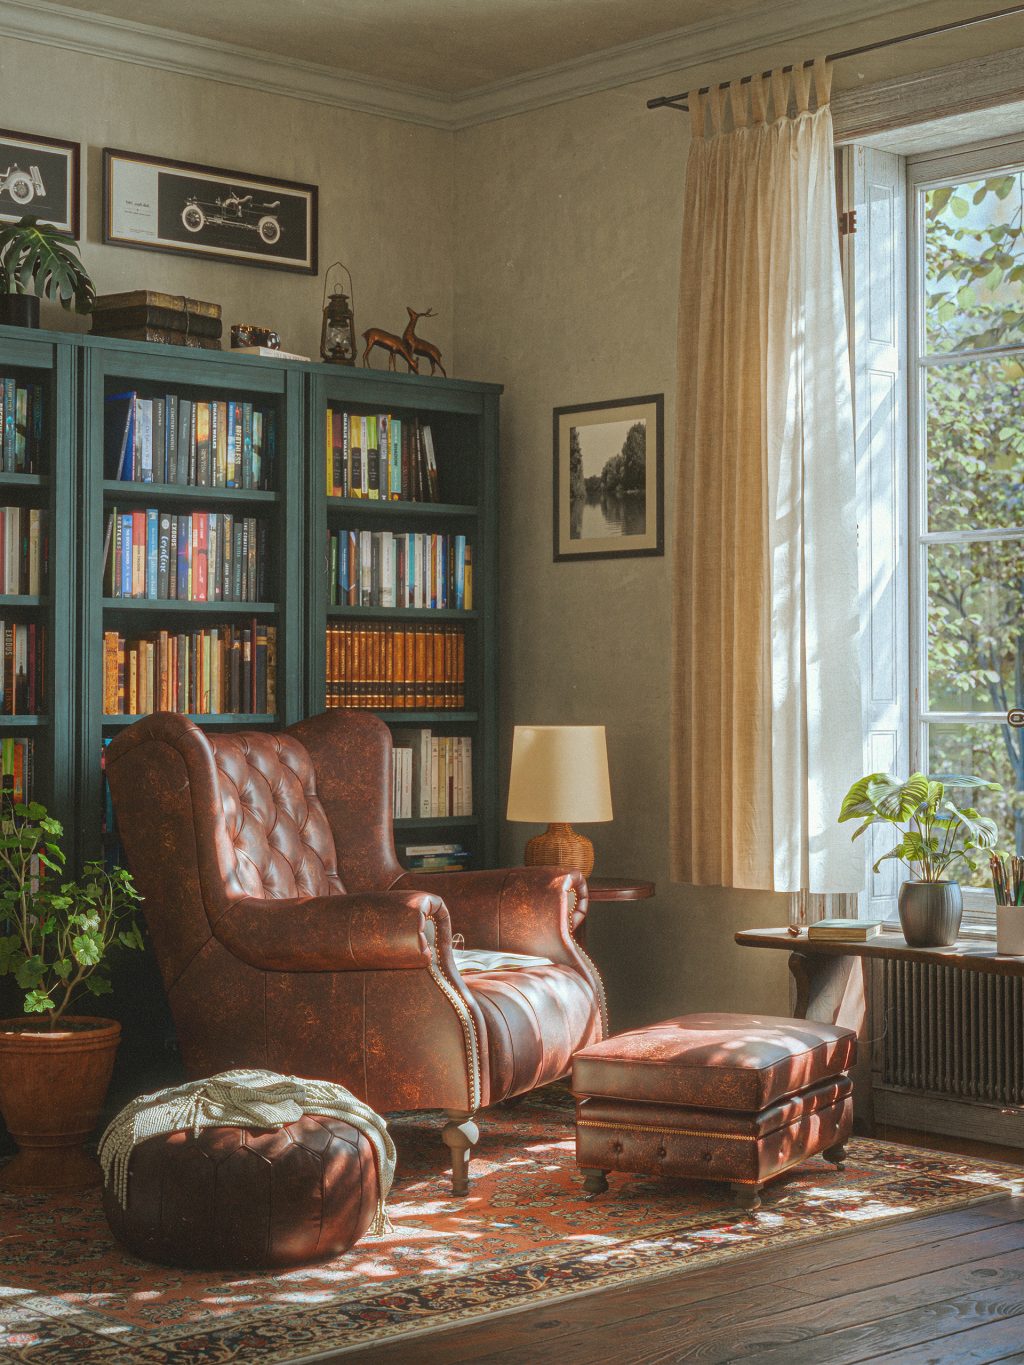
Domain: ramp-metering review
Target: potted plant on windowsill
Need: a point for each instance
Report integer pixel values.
(55, 936)
(938, 834)
(37, 261)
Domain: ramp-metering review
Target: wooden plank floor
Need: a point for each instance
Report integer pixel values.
(930, 1291)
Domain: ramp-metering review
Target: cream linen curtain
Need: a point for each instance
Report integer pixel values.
(766, 692)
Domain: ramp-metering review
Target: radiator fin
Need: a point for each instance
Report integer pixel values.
(953, 1032)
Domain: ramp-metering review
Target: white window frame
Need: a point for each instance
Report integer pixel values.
(924, 172)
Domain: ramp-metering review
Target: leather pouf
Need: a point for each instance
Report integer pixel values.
(234, 1198)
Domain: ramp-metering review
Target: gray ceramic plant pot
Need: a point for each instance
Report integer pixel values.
(19, 310)
(930, 913)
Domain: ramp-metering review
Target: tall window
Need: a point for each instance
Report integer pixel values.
(966, 353)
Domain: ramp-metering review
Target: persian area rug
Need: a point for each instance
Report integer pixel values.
(526, 1234)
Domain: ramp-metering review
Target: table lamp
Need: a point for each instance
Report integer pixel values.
(559, 774)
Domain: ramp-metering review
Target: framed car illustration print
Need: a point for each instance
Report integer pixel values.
(160, 205)
(39, 177)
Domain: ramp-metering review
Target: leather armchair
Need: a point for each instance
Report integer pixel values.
(289, 936)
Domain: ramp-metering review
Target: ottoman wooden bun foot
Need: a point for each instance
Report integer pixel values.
(746, 1197)
(596, 1181)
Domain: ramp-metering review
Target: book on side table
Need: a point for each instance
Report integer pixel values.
(849, 930)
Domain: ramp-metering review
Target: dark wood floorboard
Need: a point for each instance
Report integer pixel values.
(929, 1291)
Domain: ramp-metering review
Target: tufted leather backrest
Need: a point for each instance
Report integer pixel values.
(281, 843)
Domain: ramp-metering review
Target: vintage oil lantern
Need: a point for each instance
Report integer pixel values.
(338, 334)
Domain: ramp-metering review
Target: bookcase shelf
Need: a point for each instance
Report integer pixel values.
(406, 613)
(165, 494)
(76, 374)
(163, 606)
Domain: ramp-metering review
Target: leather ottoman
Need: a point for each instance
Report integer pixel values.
(233, 1198)
(733, 1097)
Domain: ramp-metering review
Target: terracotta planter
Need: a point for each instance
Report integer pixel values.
(52, 1087)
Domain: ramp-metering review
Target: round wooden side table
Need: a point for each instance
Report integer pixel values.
(611, 889)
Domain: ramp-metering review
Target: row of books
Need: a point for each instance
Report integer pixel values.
(396, 666)
(218, 444)
(400, 569)
(198, 557)
(435, 857)
(380, 457)
(21, 426)
(433, 775)
(24, 550)
(17, 769)
(23, 675)
(226, 670)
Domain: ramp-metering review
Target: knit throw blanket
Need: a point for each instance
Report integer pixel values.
(242, 1099)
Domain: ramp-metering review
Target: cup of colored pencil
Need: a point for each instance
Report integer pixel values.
(1008, 884)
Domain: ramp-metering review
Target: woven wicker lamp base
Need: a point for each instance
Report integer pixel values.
(560, 846)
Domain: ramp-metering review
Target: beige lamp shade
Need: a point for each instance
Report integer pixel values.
(559, 774)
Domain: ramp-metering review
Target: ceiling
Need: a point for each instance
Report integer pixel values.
(445, 46)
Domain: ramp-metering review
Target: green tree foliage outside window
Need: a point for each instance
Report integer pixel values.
(974, 388)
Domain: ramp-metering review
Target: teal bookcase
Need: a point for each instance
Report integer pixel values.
(77, 374)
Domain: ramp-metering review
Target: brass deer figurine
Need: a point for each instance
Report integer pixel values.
(408, 345)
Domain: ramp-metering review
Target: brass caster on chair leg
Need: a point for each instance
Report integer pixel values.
(746, 1197)
(837, 1155)
(595, 1181)
(460, 1135)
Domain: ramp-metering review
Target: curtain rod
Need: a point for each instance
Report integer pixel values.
(673, 101)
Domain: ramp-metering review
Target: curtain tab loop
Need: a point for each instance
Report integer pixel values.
(738, 105)
(758, 99)
(801, 88)
(822, 74)
(715, 105)
(780, 94)
(698, 111)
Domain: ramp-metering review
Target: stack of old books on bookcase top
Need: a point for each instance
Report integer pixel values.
(380, 457)
(146, 315)
(192, 559)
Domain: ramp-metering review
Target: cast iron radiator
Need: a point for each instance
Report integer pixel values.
(953, 1032)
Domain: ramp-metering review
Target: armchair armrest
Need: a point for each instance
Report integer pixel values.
(378, 931)
(516, 910)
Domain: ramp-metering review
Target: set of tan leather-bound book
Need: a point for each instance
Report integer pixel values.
(396, 666)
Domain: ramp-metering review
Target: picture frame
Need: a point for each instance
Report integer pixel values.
(152, 203)
(40, 176)
(609, 494)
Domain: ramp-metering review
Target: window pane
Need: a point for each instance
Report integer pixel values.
(976, 626)
(985, 751)
(976, 445)
(974, 264)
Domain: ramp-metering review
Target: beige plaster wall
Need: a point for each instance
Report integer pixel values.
(385, 187)
(567, 249)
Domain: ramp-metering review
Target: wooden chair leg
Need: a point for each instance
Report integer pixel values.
(595, 1181)
(746, 1196)
(837, 1155)
(460, 1135)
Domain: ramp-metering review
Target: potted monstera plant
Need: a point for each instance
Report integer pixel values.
(37, 261)
(935, 834)
(56, 935)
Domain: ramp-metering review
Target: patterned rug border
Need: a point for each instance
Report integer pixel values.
(251, 1337)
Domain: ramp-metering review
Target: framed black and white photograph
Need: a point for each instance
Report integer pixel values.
(160, 205)
(39, 177)
(609, 477)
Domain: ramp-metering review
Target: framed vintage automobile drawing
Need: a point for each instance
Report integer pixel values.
(609, 498)
(39, 176)
(160, 205)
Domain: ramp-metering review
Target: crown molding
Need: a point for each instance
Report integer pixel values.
(54, 25)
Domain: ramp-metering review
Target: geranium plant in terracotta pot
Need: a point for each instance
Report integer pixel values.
(55, 938)
(938, 835)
